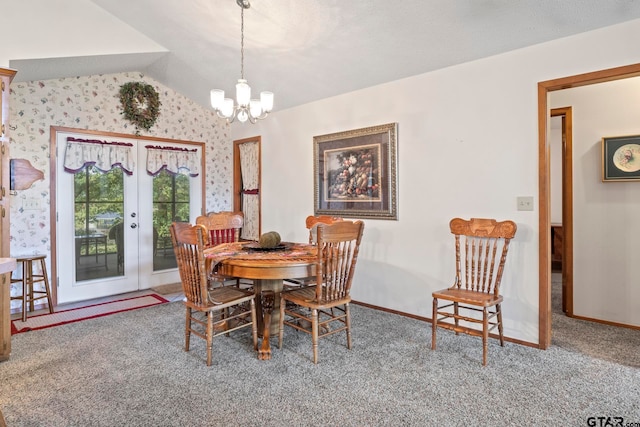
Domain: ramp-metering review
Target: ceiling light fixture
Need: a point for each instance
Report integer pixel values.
(246, 108)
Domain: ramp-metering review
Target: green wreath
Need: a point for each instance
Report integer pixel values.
(140, 103)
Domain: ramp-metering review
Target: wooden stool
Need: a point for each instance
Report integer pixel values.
(29, 294)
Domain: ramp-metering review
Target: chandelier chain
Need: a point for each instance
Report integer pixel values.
(242, 42)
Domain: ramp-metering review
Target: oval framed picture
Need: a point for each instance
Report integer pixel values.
(621, 158)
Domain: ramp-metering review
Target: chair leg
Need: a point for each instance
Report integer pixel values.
(187, 330)
(25, 288)
(314, 334)
(209, 337)
(500, 330)
(254, 325)
(434, 323)
(485, 335)
(225, 324)
(347, 310)
(47, 288)
(29, 276)
(281, 331)
(455, 317)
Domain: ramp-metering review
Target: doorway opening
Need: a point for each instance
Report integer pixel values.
(247, 182)
(544, 220)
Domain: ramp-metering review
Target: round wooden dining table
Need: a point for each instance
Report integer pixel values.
(267, 269)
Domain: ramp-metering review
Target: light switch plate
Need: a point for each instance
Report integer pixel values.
(525, 203)
(31, 204)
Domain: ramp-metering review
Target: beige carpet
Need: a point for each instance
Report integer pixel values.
(131, 370)
(171, 288)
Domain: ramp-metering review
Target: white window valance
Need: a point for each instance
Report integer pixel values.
(103, 155)
(174, 160)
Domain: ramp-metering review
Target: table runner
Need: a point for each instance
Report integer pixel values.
(236, 250)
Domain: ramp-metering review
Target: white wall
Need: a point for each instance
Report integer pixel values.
(606, 246)
(467, 147)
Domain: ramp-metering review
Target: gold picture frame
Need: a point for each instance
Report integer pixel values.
(355, 173)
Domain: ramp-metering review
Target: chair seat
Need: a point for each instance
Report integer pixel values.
(306, 296)
(293, 283)
(223, 296)
(216, 280)
(465, 296)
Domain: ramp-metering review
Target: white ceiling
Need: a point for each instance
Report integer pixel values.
(305, 50)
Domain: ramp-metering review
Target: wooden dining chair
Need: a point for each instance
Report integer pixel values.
(323, 309)
(208, 310)
(223, 227)
(481, 247)
(312, 223)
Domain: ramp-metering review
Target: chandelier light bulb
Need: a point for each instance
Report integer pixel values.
(227, 108)
(243, 93)
(266, 99)
(217, 98)
(255, 107)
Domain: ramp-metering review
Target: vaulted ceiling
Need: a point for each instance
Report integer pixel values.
(305, 50)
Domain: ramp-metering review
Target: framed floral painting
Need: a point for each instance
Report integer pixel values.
(621, 158)
(355, 173)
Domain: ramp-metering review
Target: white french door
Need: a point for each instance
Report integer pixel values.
(112, 227)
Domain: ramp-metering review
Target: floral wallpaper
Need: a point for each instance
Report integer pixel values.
(92, 102)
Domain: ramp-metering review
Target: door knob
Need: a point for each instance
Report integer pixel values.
(134, 225)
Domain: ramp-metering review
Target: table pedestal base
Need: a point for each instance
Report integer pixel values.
(268, 309)
(264, 352)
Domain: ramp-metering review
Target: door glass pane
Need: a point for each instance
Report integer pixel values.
(99, 207)
(170, 203)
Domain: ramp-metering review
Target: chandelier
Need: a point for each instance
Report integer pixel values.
(245, 107)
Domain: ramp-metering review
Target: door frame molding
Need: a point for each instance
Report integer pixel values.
(53, 211)
(544, 218)
(567, 205)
